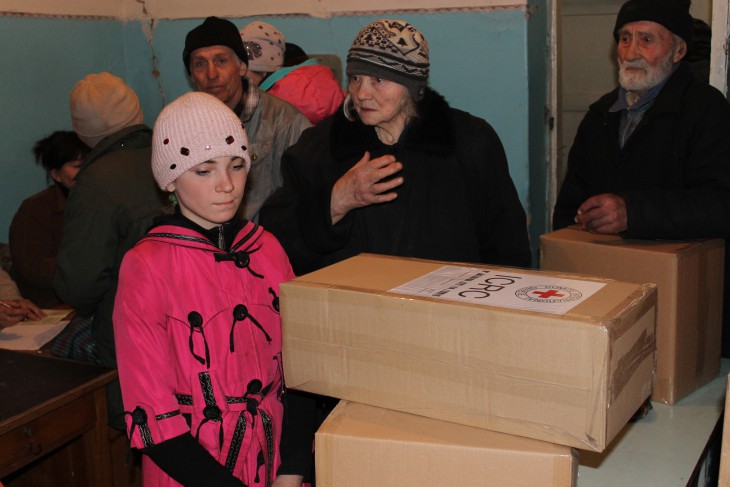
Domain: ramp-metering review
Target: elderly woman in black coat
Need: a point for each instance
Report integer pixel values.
(397, 171)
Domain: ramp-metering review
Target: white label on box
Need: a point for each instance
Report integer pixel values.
(532, 292)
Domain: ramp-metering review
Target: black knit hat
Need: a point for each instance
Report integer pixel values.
(393, 50)
(214, 32)
(672, 14)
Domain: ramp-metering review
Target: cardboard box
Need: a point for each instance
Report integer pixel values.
(365, 446)
(689, 279)
(572, 379)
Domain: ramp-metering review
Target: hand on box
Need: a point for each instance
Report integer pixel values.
(603, 213)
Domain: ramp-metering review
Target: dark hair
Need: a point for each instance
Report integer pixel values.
(59, 148)
(294, 55)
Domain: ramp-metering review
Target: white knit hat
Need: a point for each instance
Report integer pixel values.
(101, 105)
(195, 128)
(265, 47)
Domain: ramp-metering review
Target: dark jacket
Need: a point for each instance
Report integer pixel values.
(457, 202)
(35, 235)
(673, 172)
(111, 206)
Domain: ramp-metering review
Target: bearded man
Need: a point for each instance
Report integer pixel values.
(651, 159)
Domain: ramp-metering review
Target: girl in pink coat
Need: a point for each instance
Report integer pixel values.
(196, 318)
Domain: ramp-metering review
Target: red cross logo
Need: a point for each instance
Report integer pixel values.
(548, 294)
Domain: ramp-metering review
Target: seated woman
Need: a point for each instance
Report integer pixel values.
(398, 171)
(36, 229)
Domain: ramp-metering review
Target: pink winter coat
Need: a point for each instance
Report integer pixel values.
(198, 335)
(311, 88)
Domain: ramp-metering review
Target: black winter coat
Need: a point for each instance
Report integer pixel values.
(673, 172)
(457, 202)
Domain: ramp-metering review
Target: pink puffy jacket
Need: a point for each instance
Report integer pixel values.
(313, 89)
(198, 337)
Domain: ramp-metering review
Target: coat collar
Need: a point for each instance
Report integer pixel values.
(132, 137)
(431, 131)
(168, 231)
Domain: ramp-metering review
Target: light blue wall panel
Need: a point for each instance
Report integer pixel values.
(40, 62)
(479, 63)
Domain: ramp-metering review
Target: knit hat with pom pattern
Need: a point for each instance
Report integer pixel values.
(195, 128)
(392, 50)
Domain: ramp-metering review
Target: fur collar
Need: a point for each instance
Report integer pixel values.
(432, 131)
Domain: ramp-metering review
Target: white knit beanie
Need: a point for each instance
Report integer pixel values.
(101, 105)
(265, 47)
(195, 128)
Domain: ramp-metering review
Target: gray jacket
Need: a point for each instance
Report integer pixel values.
(273, 127)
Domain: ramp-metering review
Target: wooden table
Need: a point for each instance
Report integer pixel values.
(53, 419)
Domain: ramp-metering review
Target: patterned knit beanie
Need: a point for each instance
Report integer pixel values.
(672, 14)
(213, 32)
(265, 47)
(195, 128)
(393, 50)
(101, 105)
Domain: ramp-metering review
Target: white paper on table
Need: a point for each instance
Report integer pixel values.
(502, 288)
(33, 334)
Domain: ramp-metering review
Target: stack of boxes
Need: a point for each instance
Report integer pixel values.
(463, 374)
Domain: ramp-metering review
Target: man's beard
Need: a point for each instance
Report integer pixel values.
(647, 77)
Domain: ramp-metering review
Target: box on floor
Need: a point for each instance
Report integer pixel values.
(573, 379)
(360, 445)
(689, 279)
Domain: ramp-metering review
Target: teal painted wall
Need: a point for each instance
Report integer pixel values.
(479, 62)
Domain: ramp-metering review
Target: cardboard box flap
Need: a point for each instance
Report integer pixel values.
(366, 273)
(617, 242)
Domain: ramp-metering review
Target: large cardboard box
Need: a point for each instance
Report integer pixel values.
(573, 379)
(366, 446)
(689, 279)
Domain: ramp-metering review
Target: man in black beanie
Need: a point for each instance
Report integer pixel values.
(651, 159)
(216, 60)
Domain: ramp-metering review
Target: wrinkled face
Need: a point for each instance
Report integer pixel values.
(379, 102)
(647, 53)
(66, 175)
(217, 70)
(209, 194)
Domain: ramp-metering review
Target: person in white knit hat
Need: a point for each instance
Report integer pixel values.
(113, 203)
(196, 318)
(397, 170)
(101, 105)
